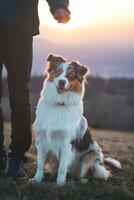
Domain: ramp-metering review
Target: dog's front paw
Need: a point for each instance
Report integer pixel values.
(61, 181)
(37, 178)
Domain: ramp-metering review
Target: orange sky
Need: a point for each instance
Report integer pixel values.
(100, 34)
(91, 21)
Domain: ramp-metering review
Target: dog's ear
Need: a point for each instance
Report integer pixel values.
(50, 57)
(54, 61)
(81, 71)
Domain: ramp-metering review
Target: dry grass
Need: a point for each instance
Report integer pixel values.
(119, 145)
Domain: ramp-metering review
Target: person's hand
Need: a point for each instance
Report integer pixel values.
(62, 15)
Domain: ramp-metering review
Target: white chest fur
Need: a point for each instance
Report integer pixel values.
(58, 116)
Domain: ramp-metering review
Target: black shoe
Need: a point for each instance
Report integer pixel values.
(15, 168)
(3, 160)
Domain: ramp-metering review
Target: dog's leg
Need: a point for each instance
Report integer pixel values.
(41, 157)
(84, 164)
(66, 157)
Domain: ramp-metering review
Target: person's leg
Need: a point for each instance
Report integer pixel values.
(2, 150)
(18, 63)
(1, 114)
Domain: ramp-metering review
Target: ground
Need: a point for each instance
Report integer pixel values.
(120, 186)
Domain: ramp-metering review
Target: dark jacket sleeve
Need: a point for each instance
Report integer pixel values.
(55, 4)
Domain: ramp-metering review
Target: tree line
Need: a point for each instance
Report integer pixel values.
(108, 103)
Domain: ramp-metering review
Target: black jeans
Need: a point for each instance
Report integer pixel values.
(16, 55)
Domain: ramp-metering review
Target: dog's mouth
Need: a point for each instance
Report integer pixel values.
(61, 90)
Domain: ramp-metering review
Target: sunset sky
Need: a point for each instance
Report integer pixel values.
(100, 33)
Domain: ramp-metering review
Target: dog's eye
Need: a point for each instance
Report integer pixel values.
(71, 76)
(58, 72)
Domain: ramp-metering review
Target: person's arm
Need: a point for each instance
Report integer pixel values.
(59, 10)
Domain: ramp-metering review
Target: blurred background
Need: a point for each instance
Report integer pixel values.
(100, 35)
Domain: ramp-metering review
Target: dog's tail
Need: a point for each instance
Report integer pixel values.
(104, 171)
(100, 171)
(112, 163)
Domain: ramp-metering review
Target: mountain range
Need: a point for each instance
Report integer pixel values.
(106, 60)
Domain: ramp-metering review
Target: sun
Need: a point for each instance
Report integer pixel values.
(85, 13)
(81, 15)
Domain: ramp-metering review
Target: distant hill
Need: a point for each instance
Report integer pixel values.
(106, 61)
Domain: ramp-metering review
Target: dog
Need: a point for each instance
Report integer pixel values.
(63, 139)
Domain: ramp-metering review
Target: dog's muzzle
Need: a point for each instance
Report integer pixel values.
(61, 86)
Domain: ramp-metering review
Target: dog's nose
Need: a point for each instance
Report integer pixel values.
(62, 83)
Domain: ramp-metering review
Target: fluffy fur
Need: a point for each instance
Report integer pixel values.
(62, 133)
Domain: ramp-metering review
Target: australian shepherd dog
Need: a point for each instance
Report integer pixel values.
(63, 139)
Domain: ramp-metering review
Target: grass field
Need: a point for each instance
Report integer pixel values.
(120, 186)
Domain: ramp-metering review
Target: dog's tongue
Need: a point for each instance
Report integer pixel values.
(60, 90)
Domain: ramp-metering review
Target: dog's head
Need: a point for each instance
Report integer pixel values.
(66, 76)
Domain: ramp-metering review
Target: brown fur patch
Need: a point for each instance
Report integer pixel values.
(85, 161)
(81, 71)
(54, 60)
(51, 76)
(75, 86)
(71, 74)
(82, 145)
(55, 73)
